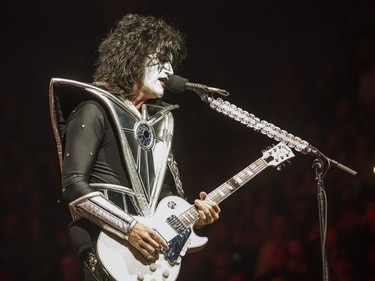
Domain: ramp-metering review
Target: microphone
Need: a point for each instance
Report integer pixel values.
(178, 84)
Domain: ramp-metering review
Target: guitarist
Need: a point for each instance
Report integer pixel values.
(114, 138)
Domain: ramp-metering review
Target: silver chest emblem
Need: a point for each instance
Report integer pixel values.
(144, 135)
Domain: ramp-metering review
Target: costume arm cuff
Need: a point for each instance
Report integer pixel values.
(102, 212)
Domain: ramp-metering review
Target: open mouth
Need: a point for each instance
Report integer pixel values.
(163, 81)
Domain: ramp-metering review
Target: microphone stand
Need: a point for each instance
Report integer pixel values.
(321, 163)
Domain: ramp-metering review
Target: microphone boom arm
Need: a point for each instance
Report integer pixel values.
(321, 163)
(266, 128)
(253, 122)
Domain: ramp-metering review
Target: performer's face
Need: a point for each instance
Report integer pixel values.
(158, 69)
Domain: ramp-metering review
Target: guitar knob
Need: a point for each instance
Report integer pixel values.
(153, 267)
(166, 274)
(140, 277)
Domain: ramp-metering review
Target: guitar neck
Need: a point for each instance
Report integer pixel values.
(190, 216)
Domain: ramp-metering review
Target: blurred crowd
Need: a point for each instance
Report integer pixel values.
(269, 230)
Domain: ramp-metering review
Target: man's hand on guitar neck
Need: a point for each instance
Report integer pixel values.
(147, 241)
(207, 209)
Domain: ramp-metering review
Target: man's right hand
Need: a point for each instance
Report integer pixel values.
(147, 241)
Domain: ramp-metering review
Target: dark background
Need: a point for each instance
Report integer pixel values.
(305, 66)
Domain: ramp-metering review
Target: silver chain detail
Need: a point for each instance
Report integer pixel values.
(253, 122)
(92, 261)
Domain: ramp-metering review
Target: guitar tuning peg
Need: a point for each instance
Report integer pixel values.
(266, 149)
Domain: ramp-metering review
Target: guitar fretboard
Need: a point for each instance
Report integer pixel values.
(191, 215)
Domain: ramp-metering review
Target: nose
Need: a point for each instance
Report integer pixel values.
(167, 66)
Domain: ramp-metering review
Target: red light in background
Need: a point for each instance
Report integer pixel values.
(371, 214)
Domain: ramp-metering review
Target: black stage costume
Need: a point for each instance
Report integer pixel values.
(115, 162)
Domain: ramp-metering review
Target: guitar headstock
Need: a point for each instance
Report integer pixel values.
(277, 155)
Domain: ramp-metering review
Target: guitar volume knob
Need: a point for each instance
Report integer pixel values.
(153, 267)
(140, 277)
(166, 274)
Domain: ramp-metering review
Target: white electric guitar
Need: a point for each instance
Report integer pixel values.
(173, 220)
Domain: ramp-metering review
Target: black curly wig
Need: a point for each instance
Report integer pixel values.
(123, 53)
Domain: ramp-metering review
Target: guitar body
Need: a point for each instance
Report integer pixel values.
(124, 262)
(173, 220)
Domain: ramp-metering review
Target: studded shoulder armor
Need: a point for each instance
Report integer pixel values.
(145, 138)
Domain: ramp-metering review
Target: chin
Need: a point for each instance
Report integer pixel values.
(159, 95)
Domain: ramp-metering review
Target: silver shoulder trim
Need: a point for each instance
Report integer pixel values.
(139, 200)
